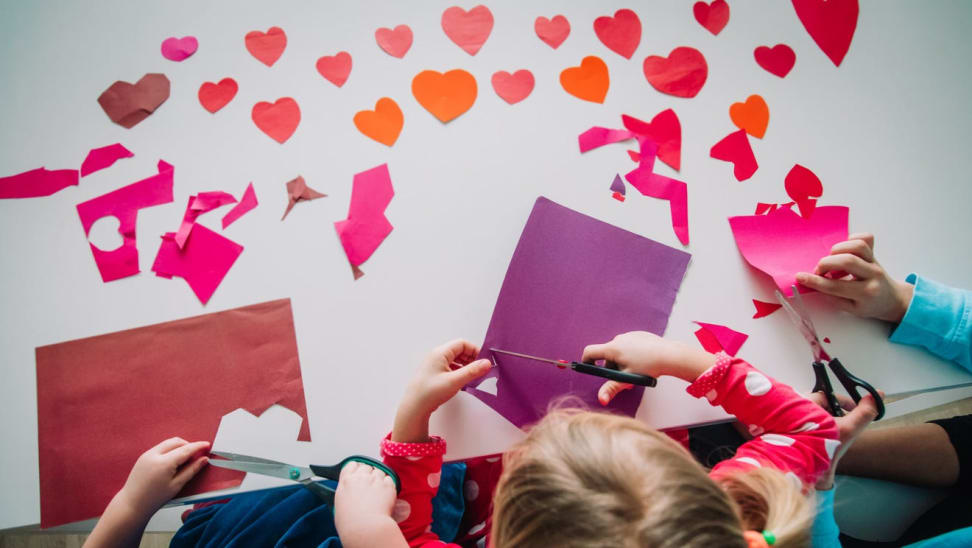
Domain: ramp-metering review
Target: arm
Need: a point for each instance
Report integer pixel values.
(363, 507)
(938, 318)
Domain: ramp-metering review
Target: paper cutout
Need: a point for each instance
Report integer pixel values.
(589, 81)
(826, 340)
(199, 204)
(681, 74)
(179, 49)
(101, 158)
(170, 379)
(831, 24)
(298, 191)
(268, 46)
(513, 88)
(213, 97)
(246, 203)
(617, 185)
(127, 104)
(468, 29)
(665, 130)
(366, 225)
(633, 154)
(278, 120)
(802, 185)
(618, 196)
(621, 33)
(202, 263)
(552, 31)
(751, 116)
(619, 281)
(446, 96)
(735, 148)
(335, 68)
(777, 60)
(124, 204)
(383, 124)
(600, 136)
(762, 208)
(37, 182)
(713, 17)
(394, 42)
(764, 309)
(716, 338)
(782, 243)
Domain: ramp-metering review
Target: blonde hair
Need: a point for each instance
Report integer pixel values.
(586, 479)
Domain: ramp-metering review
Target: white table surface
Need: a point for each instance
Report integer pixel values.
(887, 133)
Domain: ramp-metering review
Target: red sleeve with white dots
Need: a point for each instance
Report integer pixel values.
(419, 467)
(791, 433)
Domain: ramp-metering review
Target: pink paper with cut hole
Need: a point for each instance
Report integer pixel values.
(203, 262)
(366, 225)
(247, 202)
(199, 204)
(715, 338)
(101, 158)
(124, 204)
(37, 182)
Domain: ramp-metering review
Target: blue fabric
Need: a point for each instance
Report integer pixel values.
(939, 318)
(825, 531)
(958, 537)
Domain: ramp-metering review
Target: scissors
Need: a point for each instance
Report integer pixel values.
(821, 360)
(308, 476)
(609, 371)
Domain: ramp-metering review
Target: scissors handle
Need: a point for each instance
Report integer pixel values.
(852, 384)
(822, 384)
(610, 371)
(334, 471)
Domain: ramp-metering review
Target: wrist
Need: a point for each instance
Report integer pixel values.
(687, 362)
(903, 292)
(411, 423)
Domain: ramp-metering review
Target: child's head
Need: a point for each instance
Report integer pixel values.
(593, 479)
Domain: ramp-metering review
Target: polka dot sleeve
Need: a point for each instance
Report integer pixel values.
(435, 447)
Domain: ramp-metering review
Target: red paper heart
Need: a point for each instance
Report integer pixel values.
(468, 29)
(735, 148)
(128, 104)
(515, 87)
(279, 119)
(712, 16)
(213, 97)
(831, 24)
(621, 33)
(681, 74)
(395, 42)
(335, 68)
(802, 186)
(777, 60)
(268, 46)
(665, 130)
(552, 31)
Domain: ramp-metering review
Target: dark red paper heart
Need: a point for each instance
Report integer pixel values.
(665, 130)
(735, 148)
(712, 16)
(777, 60)
(681, 74)
(128, 104)
(831, 24)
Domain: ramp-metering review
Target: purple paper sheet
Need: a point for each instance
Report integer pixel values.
(573, 281)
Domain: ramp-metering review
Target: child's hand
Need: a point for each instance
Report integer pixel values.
(363, 506)
(161, 472)
(859, 416)
(866, 290)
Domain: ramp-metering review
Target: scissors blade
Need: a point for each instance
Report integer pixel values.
(271, 468)
(527, 356)
(803, 323)
(244, 458)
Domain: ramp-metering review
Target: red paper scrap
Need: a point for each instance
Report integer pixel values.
(764, 309)
(37, 182)
(101, 158)
(213, 97)
(335, 68)
(246, 203)
(298, 191)
(278, 119)
(552, 31)
(763, 208)
(203, 262)
(394, 42)
(468, 29)
(681, 74)
(366, 225)
(515, 87)
(735, 148)
(777, 60)
(128, 104)
(102, 401)
(826, 340)
(618, 196)
(199, 204)
(268, 46)
(713, 16)
(665, 130)
(633, 154)
(831, 24)
(802, 185)
(123, 204)
(715, 338)
(621, 33)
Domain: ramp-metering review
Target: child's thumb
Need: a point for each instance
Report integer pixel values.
(610, 389)
(470, 372)
(862, 415)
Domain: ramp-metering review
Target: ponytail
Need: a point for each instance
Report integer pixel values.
(768, 500)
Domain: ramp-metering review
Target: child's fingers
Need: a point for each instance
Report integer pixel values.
(610, 389)
(189, 471)
(169, 445)
(861, 416)
(843, 289)
(866, 237)
(457, 348)
(857, 248)
(846, 262)
(594, 352)
(182, 454)
(468, 373)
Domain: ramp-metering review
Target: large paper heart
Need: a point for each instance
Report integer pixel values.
(383, 124)
(552, 31)
(712, 16)
(468, 29)
(681, 74)
(447, 95)
(268, 46)
(213, 97)
(127, 104)
(394, 42)
(278, 119)
(777, 60)
(735, 148)
(515, 87)
(665, 130)
(751, 116)
(179, 49)
(621, 33)
(335, 68)
(590, 81)
(803, 187)
(831, 24)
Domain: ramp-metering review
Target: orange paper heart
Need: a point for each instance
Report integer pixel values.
(751, 116)
(447, 95)
(382, 124)
(589, 81)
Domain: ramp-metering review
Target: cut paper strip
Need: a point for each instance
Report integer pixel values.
(513, 88)
(199, 204)
(394, 42)
(621, 33)
(665, 188)
(128, 104)
(617, 185)
(268, 46)
(202, 263)
(179, 49)
(713, 16)
(278, 120)
(246, 203)
(335, 68)
(762, 208)
(213, 97)
(803, 186)
(468, 29)
(782, 243)
(618, 196)
(600, 136)
(665, 130)
(831, 24)
(552, 31)
(366, 225)
(619, 281)
(751, 116)
(716, 338)
(735, 148)
(777, 60)
(123, 204)
(37, 182)
(446, 96)
(298, 191)
(589, 81)
(170, 379)
(682, 73)
(383, 124)
(633, 154)
(101, 158)
(764, 309)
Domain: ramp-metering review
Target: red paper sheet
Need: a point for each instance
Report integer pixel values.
(103, 400)
(37, 182)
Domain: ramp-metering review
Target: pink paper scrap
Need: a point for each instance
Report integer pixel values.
(37, 182)
(202, 263)
(715, 338)
(101, 158)
(199, 204)
(366, 226)
(246, 203)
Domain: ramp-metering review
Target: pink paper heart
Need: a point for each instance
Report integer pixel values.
(179, 49)
(515, 87)
(468, 29)
(335, 68)
(394, 42)
(552, 31)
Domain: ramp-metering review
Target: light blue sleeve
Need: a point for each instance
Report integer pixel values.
(938, 319)
(958, 537)
(825, 532)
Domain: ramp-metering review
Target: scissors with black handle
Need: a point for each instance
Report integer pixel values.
(608, 371)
